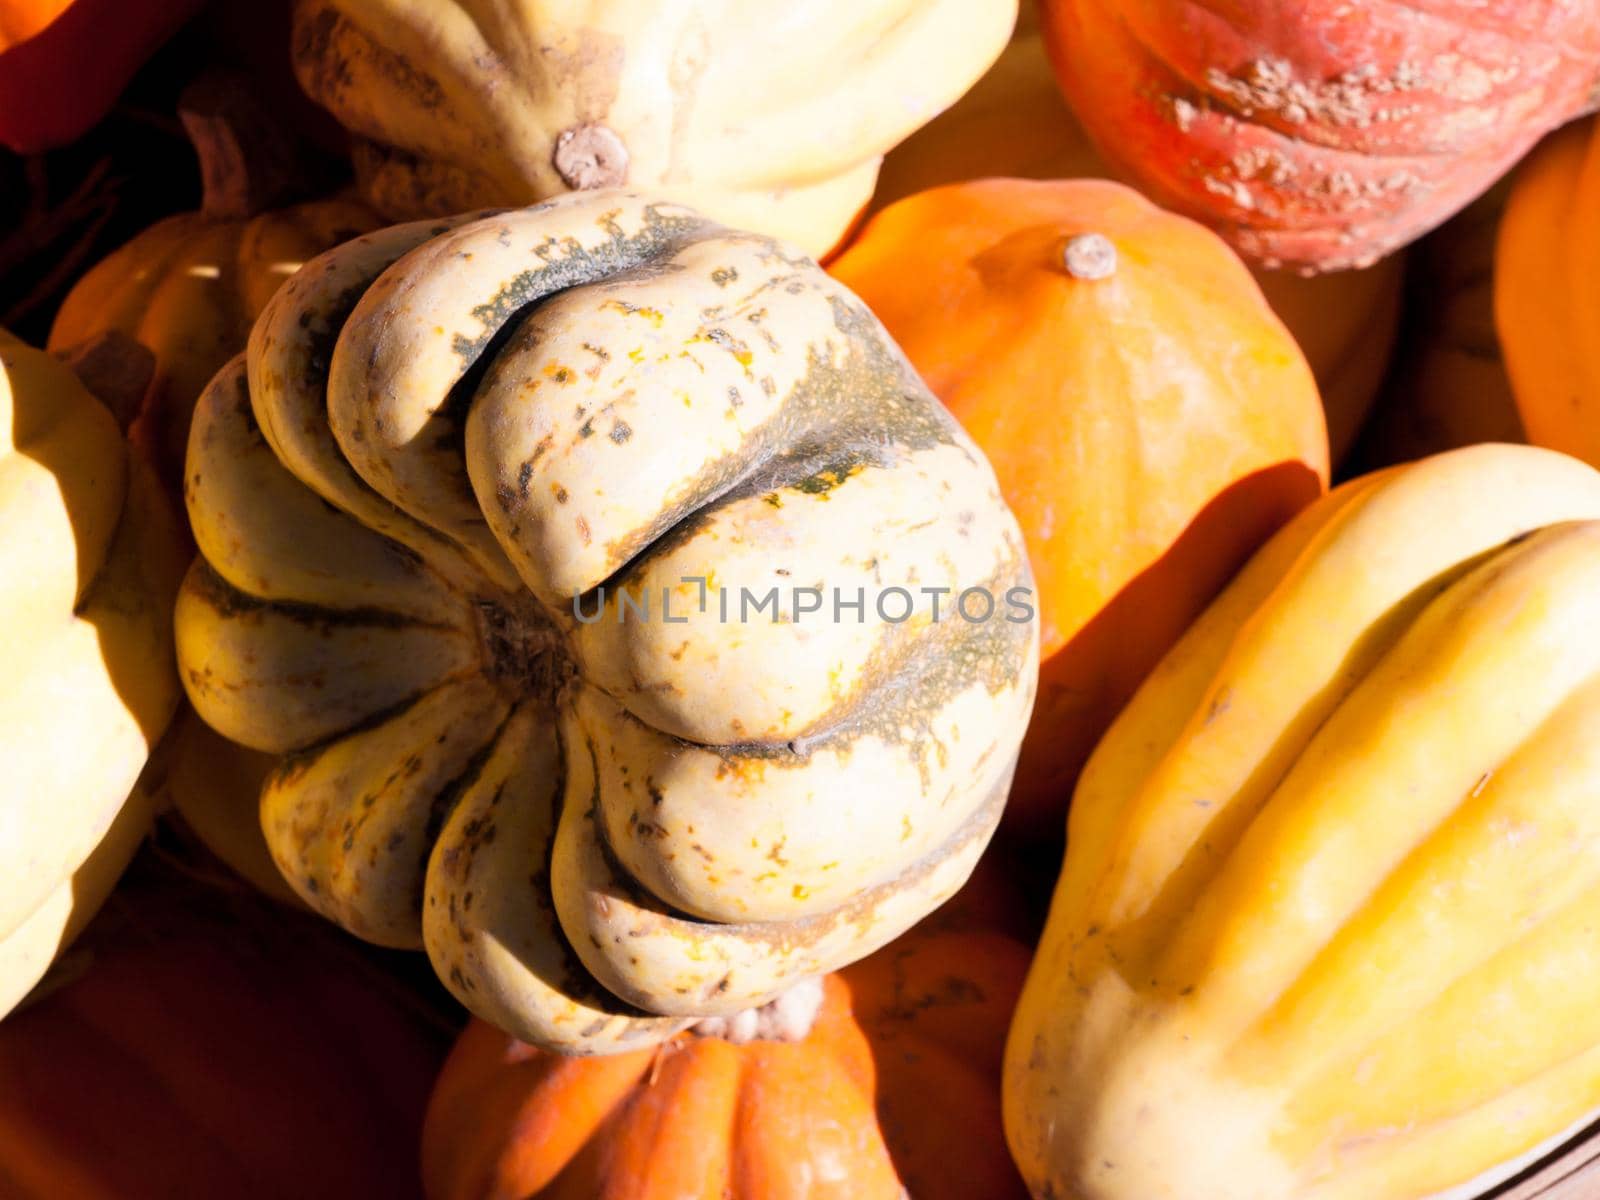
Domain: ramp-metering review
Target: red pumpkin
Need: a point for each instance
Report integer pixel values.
(1321, 134)
(192, 1052)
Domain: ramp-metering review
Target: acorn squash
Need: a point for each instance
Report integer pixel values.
(1326, 926)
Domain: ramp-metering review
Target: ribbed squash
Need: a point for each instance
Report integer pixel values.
(764, 114)
(89, 563)
(1321, 134)
(892, 1093)
(462, 459)
(1015, 124)
(1326, 926)
(1547, 292)
(201, 1047)
(1150, 420)
(190, 287)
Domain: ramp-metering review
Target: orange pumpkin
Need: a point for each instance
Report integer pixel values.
(1321, 134)
(894, 1092)
(1151, 422)
(1547, 291)
(188, 1051)
(64, 62)
(190, 286)
(1015, 123)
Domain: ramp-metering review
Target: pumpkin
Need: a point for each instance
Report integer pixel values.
(89, 564)
(64, 62)
(213, 787)
(1325, 929)
(1150, 420)
(209, 1047)
(1545, 292)
(1321, 135)
(190, 286)
(1014, 123)
(438, 507)
(1449, 387)
(892, 1092)
(765, 115)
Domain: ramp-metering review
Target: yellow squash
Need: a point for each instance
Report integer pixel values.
(479, 517)
(89, 564)
(765, 114)
(1327, 924)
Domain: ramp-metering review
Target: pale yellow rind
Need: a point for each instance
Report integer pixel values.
(90, 561)
(28, 950)
(1326, 925)
(765, 115)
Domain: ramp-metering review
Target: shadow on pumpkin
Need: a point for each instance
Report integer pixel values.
(205, 1044)
(1085, 684)
(94, 558)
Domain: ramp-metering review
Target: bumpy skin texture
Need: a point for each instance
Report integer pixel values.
(450, 431)
(1323, 134)
(1547, 292)
(764, 114)
(1325, 929)
(893, 1093)
(1150, 429)
(89, 564)
(189, 288)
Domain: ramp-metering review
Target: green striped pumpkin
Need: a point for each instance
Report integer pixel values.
(479, 515)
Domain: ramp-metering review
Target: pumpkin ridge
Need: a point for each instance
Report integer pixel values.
(1209, 854)
(415, 781)
(629, 901)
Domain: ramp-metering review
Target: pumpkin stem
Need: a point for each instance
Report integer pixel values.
(247, 163)
(1089, 256)
(786, 1018)
(116, 370)
(590, 156)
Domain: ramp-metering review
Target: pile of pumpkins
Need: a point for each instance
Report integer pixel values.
(1092, 692)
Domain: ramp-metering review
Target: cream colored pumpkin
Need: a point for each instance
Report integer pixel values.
(601, 828)
(89, 562)
(766, 114)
